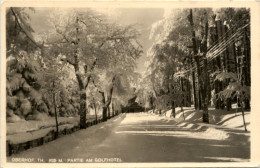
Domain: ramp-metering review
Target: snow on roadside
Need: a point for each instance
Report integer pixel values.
(24, 131)
(205, 130)
(33, 125)
(25, 136)
(199, 133)
(214, 133)
(217, 117)
(235, 121)
(192, 122)
(210, 133)
(29, 136)
(133, 119)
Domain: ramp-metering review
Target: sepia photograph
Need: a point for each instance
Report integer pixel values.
(126, 84)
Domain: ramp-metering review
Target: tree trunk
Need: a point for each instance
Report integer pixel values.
(199, 96)
(205, 117)
(104, 108)
(247, 63)
(205, 79)
(107, 103)
(229, 105)
(83, 98)
(225, 56)
(104, 113)
(109, 99)
(83, 95)
(188, 90)
(113, 110)
(152, 103)
(108, 112)
(247, 104)
(182, 97)
(173, 109)
(227, 67)
(55, 111)
(220, 65)
(95, 108)
(195, 51)
(194, 91)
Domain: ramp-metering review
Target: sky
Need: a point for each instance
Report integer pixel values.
(142, 17)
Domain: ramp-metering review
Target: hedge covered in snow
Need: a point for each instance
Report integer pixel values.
(27, 91)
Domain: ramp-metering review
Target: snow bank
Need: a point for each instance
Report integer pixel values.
(235, 121)
(218, 119)
(196, 131)
(210, 133)
(216, 116)
(213, 133)
(189, 125)
(28, 136)
(132, 119)
(33, 125)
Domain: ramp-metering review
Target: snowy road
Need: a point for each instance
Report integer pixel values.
(145, 137)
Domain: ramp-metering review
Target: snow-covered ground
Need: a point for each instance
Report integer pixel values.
(33, 125)
(24, 131)
(220, 118)
(146, 137)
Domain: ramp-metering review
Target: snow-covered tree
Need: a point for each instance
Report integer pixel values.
(88, 41)
(234, 89)
(24, 64)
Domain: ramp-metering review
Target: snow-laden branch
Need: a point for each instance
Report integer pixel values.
(18, 20)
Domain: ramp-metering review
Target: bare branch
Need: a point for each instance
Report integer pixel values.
(24, 31)
(83, 22)
(70, 62)
(93, 65)
(101, 92)
(64, 36)
(91, 69)
(88, 79)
